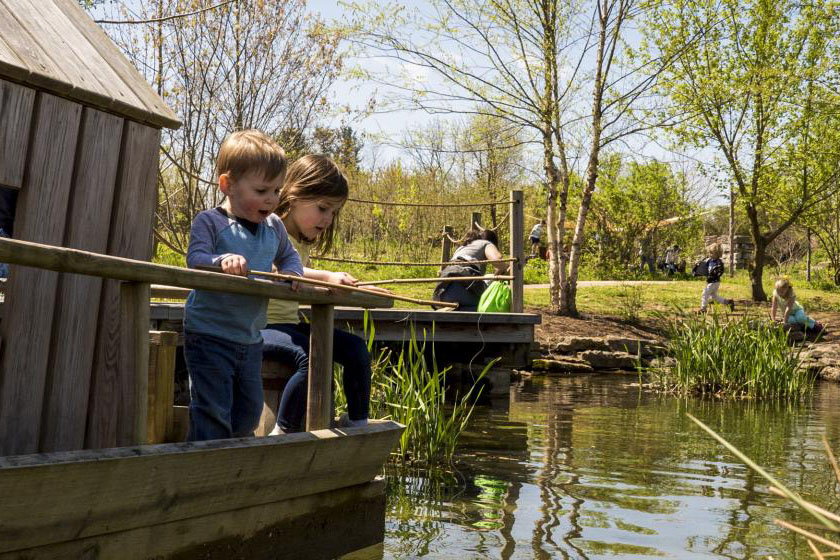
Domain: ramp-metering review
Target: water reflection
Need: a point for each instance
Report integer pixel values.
(591, 467)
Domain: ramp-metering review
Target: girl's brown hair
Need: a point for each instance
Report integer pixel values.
(309, 178)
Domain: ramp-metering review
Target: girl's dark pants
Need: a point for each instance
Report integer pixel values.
(289, 343)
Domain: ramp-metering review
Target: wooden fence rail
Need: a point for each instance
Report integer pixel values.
(134, 336)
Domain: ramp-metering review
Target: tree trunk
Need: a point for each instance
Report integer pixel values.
(757, 272)
(554, 248)
(731, 232)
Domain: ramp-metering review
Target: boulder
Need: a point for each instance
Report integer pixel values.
(575, 344)
(599, 359)
(633, 345)
(564, 365)
(830, 373)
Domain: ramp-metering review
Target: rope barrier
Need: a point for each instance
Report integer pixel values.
(502, 221)
(424, 205)
(425, 280)
(397, 263)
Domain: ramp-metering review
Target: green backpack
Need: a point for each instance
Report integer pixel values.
(495, 299)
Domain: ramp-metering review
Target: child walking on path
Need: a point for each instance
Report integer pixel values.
(794, 314)
(715, 268)
(222, 340)
(311, 198)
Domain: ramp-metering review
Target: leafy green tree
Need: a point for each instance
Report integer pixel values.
(754, 80)
(639, 203)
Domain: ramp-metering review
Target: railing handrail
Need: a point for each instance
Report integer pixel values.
(63, 259)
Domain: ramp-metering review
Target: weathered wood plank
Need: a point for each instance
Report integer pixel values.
(159, 114)
(162, 346)
(30, 294)
(107, 491)
(290, 529)
(90, 62)
(62, 259)
(319, 387)
(16, 104)
(77, 303)
(10, 65)
(41, 71)
(131, 237)
(175, 311)
(30, 17)
(133, 384)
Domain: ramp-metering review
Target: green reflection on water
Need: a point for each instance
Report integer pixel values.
(592, 467)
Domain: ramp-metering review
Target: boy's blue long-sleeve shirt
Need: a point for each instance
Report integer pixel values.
(213, 236)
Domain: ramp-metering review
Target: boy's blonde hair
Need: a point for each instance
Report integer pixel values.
(715, 250)
(250, 151)
(314, 177)
(784, 284)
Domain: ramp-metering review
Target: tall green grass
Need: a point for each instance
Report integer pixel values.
(407, 387)
(743, 358)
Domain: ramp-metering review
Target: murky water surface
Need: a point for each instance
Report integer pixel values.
(590, 467)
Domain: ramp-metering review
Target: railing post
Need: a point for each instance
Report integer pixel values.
(319, 392)
(475, 221)
(517, 251)
(446, 246)
(162, 347)
(134, 364)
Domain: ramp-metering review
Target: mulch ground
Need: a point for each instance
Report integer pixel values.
(554, 327)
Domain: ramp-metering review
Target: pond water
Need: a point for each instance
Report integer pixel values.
(592, 467)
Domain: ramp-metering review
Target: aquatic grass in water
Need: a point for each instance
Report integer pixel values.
(410, 389)
(735, 358)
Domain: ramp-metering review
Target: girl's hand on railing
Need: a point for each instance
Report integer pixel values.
(235, 264)
(342, 278)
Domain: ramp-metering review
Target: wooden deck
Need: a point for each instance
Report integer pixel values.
(508, 335)
(238, 498)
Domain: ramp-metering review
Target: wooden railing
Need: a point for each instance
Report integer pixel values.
(135, 294)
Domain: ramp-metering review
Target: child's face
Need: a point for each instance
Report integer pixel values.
(309, 218)
(252, 196)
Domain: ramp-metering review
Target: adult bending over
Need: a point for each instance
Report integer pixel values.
(476, 246)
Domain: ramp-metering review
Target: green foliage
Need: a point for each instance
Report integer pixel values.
(735, 358)
(640, 205)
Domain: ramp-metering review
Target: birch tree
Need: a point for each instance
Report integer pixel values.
(525, 62)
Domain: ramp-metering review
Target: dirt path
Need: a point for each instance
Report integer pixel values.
(591, 283)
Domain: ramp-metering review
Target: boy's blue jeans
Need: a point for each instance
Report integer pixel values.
(290, 343)
(226, 396)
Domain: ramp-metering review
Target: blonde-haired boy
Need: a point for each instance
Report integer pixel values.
(222, 340)
(715, 271)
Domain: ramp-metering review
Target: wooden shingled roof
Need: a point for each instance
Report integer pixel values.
(54, 46)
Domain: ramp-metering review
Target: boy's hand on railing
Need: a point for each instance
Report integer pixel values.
(235, 264)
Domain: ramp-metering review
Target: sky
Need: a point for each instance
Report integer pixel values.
(384, 132)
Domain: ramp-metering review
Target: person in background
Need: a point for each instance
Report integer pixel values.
(794, 313)
(536, 236)
(476, 246)
(715, 271)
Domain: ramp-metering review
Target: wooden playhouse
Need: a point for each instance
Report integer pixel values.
(79, 141)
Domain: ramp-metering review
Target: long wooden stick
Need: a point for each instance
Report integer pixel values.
(314, 282)
(423, 280)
